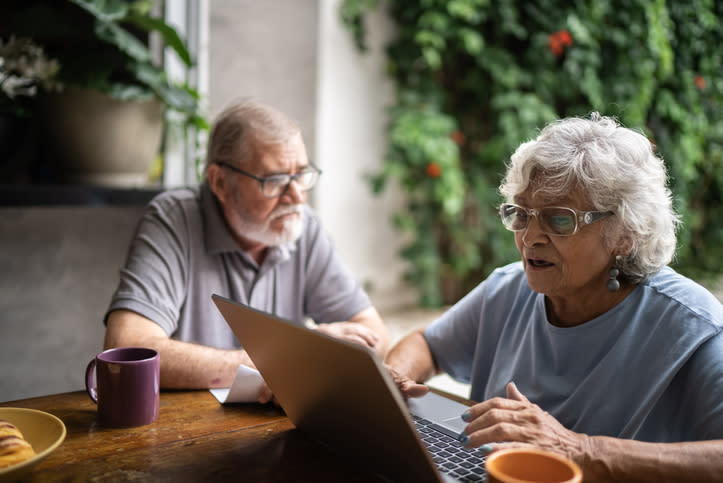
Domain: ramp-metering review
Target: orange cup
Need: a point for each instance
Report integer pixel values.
(526, 465)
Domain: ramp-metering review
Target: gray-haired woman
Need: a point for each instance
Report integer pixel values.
(591, 346)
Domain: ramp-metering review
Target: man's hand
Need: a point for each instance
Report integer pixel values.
(351, 331)
(265, 395)
(406, 386)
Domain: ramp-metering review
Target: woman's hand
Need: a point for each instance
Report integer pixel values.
(407, 386)
(515, 421)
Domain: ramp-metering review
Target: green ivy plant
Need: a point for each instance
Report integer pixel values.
(475, 78)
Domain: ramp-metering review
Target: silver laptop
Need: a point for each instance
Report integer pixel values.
(341, 394)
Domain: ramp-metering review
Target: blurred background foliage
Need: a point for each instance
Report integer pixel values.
(475, 78)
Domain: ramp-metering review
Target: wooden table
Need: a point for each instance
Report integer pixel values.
(194, 439)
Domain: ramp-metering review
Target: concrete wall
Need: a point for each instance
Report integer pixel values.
(265, 50)
(58, 269)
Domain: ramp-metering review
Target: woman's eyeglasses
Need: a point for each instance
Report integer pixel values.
(553, 220)
(276, 185)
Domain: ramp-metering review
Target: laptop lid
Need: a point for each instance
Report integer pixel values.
(336, 391)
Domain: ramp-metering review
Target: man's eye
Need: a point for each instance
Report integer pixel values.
(277, 180)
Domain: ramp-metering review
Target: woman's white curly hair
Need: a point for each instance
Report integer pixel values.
(618, 170)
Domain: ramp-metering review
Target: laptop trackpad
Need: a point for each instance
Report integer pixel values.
(440, 410)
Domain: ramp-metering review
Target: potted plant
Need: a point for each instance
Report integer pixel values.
(24, 69)
(111, 86)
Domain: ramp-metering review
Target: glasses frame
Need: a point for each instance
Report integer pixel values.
(581, 218)
(263, 180)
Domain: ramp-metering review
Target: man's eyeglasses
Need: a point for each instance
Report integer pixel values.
(553, 220)
(276, 185)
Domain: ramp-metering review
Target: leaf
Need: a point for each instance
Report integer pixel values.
(121, 38)
(169, 34)
(104, 10)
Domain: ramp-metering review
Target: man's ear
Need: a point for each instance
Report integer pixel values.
(217, 182)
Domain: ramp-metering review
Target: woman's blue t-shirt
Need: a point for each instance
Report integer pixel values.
(651, 368)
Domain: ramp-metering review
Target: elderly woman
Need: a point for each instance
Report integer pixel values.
(590, 346)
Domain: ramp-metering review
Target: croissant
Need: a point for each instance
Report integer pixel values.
(13, 447)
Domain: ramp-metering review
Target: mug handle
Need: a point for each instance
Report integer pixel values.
(90, 386)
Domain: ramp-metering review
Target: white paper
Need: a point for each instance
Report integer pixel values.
(244, 388)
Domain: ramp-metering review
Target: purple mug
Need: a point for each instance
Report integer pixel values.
(128, 386)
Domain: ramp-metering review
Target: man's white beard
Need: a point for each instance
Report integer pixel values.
(263, 233)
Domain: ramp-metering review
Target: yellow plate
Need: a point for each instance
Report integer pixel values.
(42, 430)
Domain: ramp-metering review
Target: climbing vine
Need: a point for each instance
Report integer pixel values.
(475, 78)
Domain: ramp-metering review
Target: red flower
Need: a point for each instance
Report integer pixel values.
(458, 137)
(565, 38)
(700, 82)
(558, 41)
(434, 170)
(555, 45)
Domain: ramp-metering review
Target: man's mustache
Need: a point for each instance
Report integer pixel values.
(287, 210)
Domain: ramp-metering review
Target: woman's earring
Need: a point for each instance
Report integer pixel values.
(613, 284)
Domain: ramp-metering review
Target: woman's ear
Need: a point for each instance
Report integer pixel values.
(625, 245)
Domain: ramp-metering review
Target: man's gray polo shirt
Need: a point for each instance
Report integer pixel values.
(182, 253)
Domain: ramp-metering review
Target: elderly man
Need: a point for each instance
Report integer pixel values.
(247, 234)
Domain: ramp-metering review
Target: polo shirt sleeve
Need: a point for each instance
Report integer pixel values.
(332, 292)
(153, 280)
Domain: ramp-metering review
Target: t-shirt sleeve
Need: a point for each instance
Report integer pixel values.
(464, 339)
(453, 337)
(702, 395)
(332, 291)
(153, 280)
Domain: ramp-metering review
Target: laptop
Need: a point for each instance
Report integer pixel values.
(341, 394)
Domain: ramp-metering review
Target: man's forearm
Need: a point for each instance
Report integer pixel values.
(192, 366)
(183, 365)
(370, 318)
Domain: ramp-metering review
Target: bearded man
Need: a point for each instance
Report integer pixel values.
(245, 233)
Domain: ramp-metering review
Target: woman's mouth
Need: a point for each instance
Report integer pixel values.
(538, 263)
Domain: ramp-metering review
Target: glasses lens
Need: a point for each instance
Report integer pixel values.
(514, 217)
(558, 221)
(307, 179)
(274, 185)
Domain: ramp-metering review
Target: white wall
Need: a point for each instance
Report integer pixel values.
(297, 56)
(265, 49)
(353, 91)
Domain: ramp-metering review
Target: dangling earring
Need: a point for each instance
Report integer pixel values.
(613, 284)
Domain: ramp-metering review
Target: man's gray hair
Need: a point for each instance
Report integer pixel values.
(617, 169)
(243, 126)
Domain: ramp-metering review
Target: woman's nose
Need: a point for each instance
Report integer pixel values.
(533, 233)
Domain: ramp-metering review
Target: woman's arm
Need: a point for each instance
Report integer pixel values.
(410, 362)
(607, 458)
(518, 422)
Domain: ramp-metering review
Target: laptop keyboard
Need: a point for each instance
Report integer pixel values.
(451, 457)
